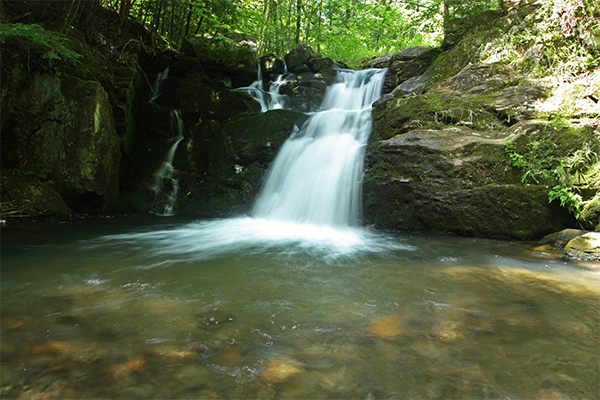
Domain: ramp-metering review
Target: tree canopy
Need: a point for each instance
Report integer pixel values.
(346, 30)
(341, 29)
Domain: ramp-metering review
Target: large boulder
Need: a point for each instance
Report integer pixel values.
(407, 64)
(585, 247)
(456, 180)
(230, 160)
(66, 125)
(297, 60)
(233, 57)
(313, 73)
(474, 145)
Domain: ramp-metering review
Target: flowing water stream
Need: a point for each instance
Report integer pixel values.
(296, 301)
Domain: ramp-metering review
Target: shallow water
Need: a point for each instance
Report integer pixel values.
(245, 308)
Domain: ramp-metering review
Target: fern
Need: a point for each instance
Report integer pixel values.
(51, 40)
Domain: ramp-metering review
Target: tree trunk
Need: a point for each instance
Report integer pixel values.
(156, 19)
(188, 22)
(124, 11)
(298, 20)
(73, 7)
(502, 6)
(446, 15)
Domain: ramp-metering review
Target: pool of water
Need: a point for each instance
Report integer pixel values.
(174, 309)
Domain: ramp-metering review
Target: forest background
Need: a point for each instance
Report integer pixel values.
(345, 30)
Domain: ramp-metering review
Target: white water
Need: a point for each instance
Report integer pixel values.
(311, 199)
(316, 177)
(160, 78)
(269, 99)
(165, 197)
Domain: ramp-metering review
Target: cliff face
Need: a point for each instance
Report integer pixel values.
(474, 145)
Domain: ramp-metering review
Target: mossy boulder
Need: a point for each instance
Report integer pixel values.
(64, 124)
(456, 180)
(42, 197)
(233, 57)
(585, 247)
(561, 238)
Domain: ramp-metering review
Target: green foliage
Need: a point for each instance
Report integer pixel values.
(347, 30)
(43, 174)
(574, 177)
(553, 40)
(52, 41)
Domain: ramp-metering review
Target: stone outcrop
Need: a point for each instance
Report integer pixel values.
(448, 136)
(408, 64)
(66, 125)
(455, 180)
(232, 57)
(313, 73)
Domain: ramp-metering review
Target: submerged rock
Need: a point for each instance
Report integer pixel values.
(386, 328)
(280, 369)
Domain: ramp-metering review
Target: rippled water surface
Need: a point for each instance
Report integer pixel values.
(245, 308)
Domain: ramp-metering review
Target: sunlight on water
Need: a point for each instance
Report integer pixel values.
(252, 308)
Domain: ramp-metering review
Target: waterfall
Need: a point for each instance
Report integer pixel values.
(311, 199)
(166, 186)
(160, 78)
(316, 177)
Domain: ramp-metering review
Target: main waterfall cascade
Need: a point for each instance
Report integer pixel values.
(316, 177)
(311, 199)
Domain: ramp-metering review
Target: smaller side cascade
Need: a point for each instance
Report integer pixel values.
(166, 185)
(161, 77)
(268, 99)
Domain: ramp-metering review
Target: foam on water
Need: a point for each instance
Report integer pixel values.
(246, 236)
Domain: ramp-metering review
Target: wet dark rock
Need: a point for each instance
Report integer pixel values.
(257, 138)
(307, 90)
(272, 65)
(184, 65)
(233, 58)
(297, 59)
(456, 180)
